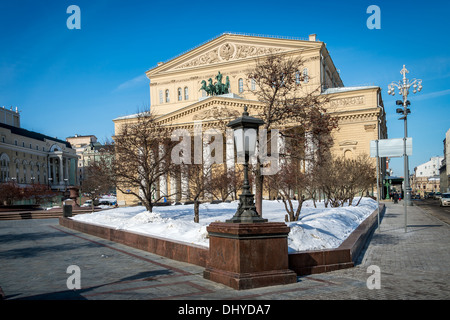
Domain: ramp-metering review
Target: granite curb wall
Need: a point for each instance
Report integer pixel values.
(303, 263)
(345, 256)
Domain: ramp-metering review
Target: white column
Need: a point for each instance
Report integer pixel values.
(229, 148)
(163, 192)
(61, 171)
(67, 170)
(310, 150)
(207, 163)
(184, 185)
(163, 186)
(53, 171)
(48, 170)
(173, 187)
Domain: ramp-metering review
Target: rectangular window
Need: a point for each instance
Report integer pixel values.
(305, 75)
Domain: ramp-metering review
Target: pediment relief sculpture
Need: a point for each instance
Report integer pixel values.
(229, 51)
(216, 113)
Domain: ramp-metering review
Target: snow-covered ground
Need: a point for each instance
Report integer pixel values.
(318, 228)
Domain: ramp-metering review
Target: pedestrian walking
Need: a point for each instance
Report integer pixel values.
(395, 197)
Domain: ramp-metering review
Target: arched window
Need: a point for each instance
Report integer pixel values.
(32, 177)
(24, 179)
(38, 166)
(180, 94)
(4, 167)
(161, 99)
(186, 93)
(167, 95)
(253, 84)
(297, 77)
(241, 85)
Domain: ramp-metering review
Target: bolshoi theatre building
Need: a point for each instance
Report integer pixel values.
(178, 98)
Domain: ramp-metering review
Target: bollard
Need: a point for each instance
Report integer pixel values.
(67, 210)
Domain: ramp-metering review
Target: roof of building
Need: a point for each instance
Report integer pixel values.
(345, 89)
(32, 134)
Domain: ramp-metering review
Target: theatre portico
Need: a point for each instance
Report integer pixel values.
(180, 93)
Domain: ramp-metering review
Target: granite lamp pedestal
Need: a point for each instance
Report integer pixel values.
(248, 255)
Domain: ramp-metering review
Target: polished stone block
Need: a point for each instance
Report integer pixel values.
(249, 255)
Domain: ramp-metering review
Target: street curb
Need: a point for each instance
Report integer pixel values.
(345, 256)
(303, 263)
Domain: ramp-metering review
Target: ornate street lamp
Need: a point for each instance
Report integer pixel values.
(403, 89)
(245, 133)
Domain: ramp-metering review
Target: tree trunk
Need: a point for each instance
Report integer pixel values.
(196, 211)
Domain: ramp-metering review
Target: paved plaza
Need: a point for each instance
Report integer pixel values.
(35, 256)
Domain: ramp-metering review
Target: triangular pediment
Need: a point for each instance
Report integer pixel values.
(210, 110)
(229, 48)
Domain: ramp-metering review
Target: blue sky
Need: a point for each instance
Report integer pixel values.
(68, 82)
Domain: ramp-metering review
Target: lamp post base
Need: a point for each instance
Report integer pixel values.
(248, 255)
(246, 211)
(247, 216)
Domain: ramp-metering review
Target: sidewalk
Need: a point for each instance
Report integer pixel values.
(35, 255)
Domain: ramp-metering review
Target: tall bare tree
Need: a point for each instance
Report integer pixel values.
(99, 176)
(198, 178)
(288, 182)
(289, 103)
(142, 156)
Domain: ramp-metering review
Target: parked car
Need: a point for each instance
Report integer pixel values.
(87, 203)
(430, 195)
(437, 196)
(445, 199)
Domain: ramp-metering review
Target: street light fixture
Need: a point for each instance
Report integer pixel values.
(403, 87)
(245, 132)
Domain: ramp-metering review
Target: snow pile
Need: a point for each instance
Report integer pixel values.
(318, 228)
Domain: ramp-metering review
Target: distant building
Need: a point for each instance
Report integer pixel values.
(88, 150)
(28, 157)
(444, 170)
(426, 177)
(11, 117)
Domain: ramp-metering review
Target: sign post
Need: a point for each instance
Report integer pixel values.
(391, 148)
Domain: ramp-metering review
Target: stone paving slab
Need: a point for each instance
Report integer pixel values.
(35, 255)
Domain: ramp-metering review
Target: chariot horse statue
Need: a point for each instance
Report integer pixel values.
(216, 88)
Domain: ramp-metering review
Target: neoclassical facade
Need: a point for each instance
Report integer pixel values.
(28, 157)
(178, 100)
